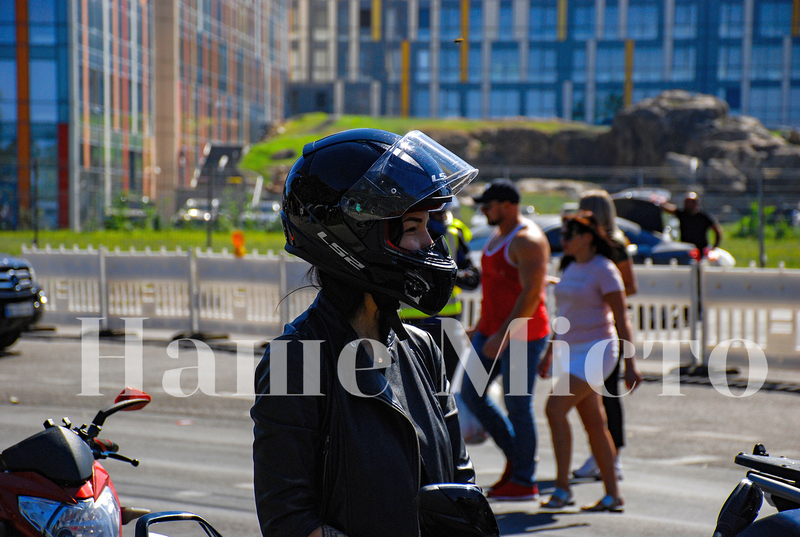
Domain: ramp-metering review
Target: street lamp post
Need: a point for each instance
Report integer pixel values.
(223, 161)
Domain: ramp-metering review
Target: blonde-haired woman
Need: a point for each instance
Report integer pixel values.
(601, 205)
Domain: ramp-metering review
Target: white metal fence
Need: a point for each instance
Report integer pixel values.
(197, 292)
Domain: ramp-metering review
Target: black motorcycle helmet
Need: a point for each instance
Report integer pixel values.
(342, 204)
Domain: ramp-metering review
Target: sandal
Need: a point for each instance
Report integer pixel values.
(608, 503)
(559, 499)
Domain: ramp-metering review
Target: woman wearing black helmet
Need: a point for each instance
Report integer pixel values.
(363, 425)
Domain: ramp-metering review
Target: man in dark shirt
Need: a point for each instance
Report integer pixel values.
(695, 223)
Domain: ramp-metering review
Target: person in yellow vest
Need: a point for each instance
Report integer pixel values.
(468, 277)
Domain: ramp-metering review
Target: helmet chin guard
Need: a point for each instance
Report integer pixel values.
(342, 194)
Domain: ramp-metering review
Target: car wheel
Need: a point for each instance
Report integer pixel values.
(6, 340)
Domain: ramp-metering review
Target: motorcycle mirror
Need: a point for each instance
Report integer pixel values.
(129, 394)
(174, 524)
(455, 510)
(740, 509)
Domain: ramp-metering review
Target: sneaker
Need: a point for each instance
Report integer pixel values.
(503, 478)
(589, 470)
(618, 468)
(511, 491)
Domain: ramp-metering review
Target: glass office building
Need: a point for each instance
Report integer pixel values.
(101, 99)
(575, 59)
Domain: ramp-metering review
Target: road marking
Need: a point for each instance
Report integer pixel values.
(245, 486)
(722, 436)
(192, 494)
(686, 461)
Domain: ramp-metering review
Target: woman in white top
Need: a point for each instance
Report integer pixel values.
(591, 297)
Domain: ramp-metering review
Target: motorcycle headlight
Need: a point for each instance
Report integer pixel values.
(87, 518)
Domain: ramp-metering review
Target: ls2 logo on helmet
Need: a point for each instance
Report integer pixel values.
(341, 251)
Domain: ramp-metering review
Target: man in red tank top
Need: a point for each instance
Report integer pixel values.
(514, 266)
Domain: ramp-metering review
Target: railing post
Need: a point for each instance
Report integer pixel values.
(700, 310)
(194, 293)
(283, 287)
(103, 290)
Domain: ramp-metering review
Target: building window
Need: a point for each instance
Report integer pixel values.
(475, 64)
(542, 65)
(775, 19)
(582, 23)
(449, 103)
(608, 104)
(321, 65)
(451, 21)
(579, 65)
(611, 23)
(393, 66)
(505, 63)
(474, 107)
(504, 103)
(422, 102)
(543, 22)
(343, 58)
(611, 64)
(423, 69)
(506, 25)
(683, 64)
(319, 21)
(794, 108)
(476, 20)
(450, 63)
(731, 20)
(795, 61)
(647, 64)
(767, 62)
(685, 21)
(343, 20)
(8, 96)
(765, 104)
(540, 103)
(578, 106)
(643, 21)
(424, 28)
(365, 21)
(729, 66)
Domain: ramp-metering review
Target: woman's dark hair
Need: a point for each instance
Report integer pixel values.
(347, 299)
(585, 221)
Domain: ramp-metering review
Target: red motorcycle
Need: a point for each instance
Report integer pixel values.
(52, 485)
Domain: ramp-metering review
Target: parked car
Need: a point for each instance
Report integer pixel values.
(265, 215)
(657, 247)
(196, 212)
(21, 300)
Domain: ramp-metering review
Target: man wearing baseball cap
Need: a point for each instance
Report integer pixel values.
(514, 265)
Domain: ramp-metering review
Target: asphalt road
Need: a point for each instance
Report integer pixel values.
(195, 451)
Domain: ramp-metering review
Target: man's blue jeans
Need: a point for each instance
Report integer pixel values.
(515, 432)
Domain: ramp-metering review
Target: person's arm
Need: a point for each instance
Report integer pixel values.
(288, 442)
(628, 277)
(668, 207)
(717, 229)
(616, 301)
(530, 251)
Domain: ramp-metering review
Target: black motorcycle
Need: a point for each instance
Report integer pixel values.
(775, 478)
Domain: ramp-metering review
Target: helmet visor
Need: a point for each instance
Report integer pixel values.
(415, 169)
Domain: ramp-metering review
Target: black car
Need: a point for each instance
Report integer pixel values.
(21, 300)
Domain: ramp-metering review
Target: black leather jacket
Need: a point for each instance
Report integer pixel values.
(354, 463)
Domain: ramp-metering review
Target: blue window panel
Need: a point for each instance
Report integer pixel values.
(424, 23)
(729, 65)
(451, 21)
(684, 64)
(423, 69)
(685, 21)
(474, 106)
(582, 23)
(611, 64)
(796, 61)
(8, 90)
(476, 20)
(543, 22)
(579, 65)
(775, 19)
(611, 23)
(475, 64)
(422, 102)
(578, 106)
(450, 63)
(794, 107)
(504, 103)
(505, 64)
(643, 21)
(765, 104)
(540, 103)
(542, 65)
(767, 62)
(449, 103)
(647, 64)
(506, 22)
